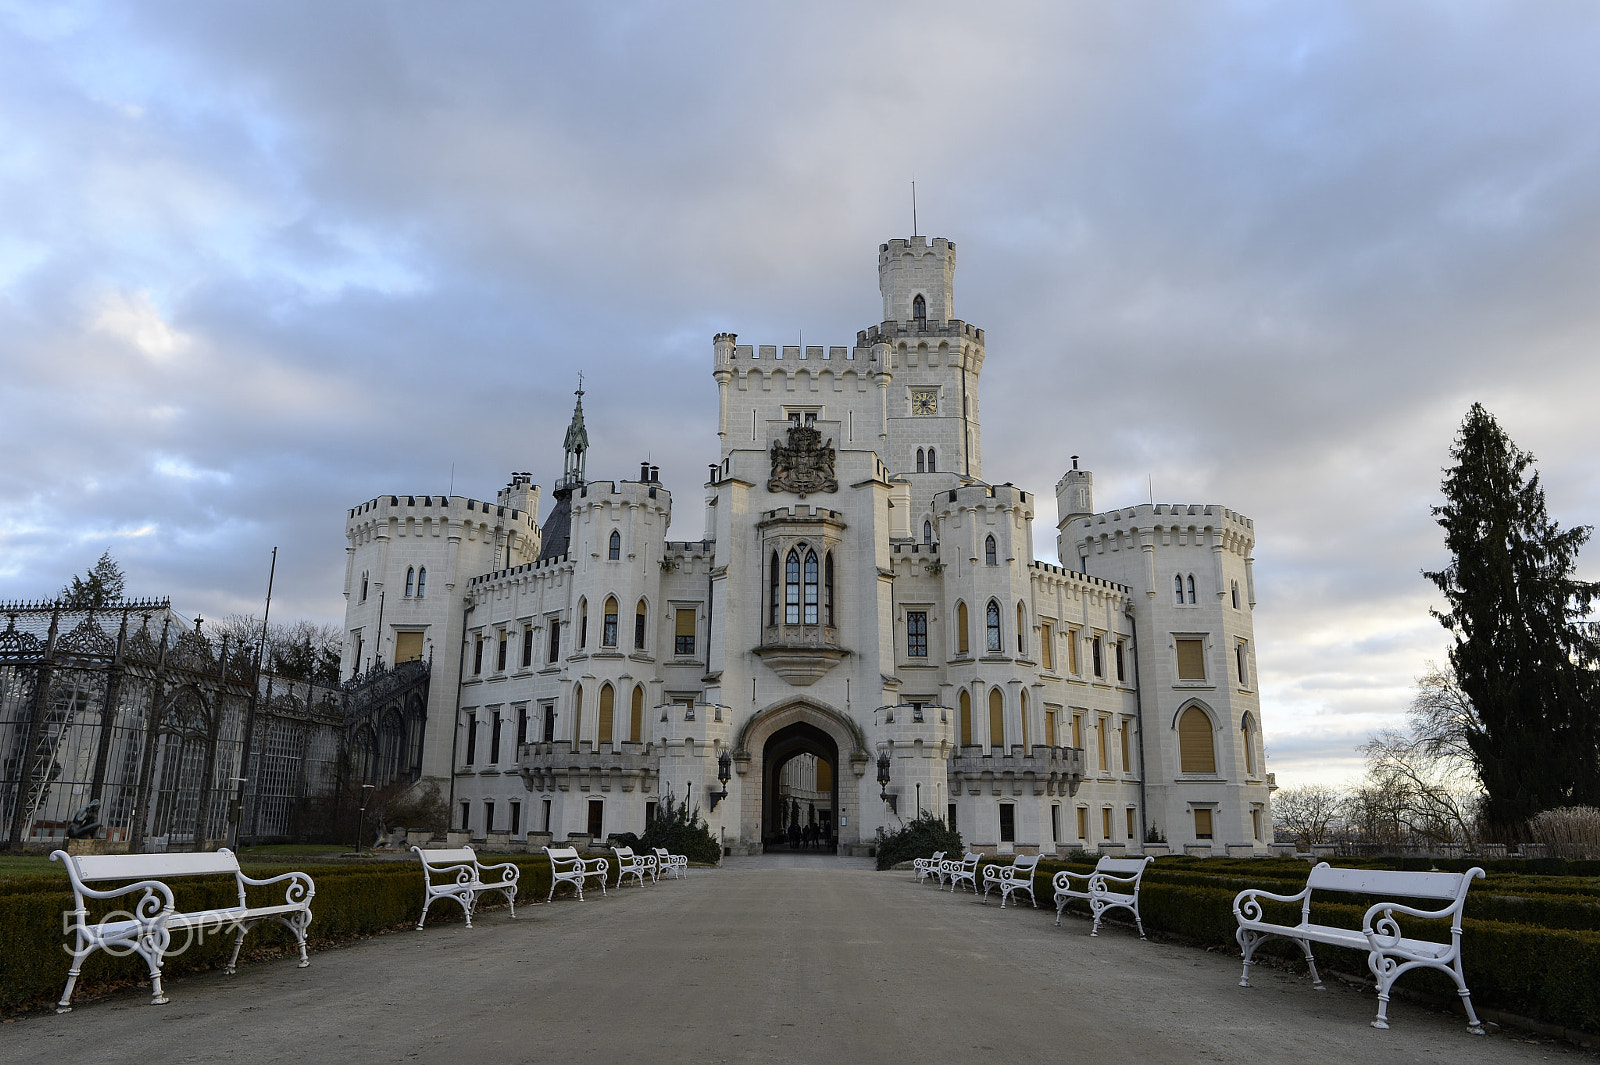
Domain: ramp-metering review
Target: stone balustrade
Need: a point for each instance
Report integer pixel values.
(1007, 771)
(560, 765)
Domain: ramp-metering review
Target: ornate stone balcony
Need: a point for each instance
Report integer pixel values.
(800, 654)
(1007, 771)
(557, 766)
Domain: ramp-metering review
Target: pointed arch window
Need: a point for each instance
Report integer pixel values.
(1191, 588)
(577, 713)
(1022, 707)
(927, 533)
(811, 588)
(1196, 754)
(772, 580)
(1022, 629)
(363, 587)
(608, 634)
(991, 557)
(411, 575)
(997, 718)
(422, 582)
(583, 624)
(636, 715)
(1236, 595)
(1177, 587)
(966, 718)
(614, 550)
(791, 588)
(931, 467)
(638, 626)
(1247, 726)
(608, 706)
(963, 645)
(919, 308)
(919, 460)
(827, 588)
(993, 624)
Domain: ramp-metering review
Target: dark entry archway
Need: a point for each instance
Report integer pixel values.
(781, 748)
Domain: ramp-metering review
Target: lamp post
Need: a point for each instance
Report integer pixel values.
(724, 774)
(883, 782)
(361, 821)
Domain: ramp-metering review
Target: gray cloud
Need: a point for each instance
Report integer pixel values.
(262, 262)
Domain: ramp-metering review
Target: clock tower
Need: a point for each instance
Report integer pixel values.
(935, 359)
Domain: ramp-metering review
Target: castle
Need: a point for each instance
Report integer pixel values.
(861, 631)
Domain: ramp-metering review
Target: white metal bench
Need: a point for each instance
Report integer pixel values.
(146, 929)
(923, 868)
(676, 864)
(461, 879)
(1389, 954)
(963, 871)
(1114, 884)
(637, 866)
(1018, 876)
(567, 866)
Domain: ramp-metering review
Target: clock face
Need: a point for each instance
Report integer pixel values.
(924, 401)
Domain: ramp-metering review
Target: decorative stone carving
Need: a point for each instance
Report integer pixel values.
(804, 465)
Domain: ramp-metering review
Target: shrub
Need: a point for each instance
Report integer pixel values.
(917, 838)
(1569, 831)
(681, 830)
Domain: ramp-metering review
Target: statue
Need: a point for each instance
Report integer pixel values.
(85, 824)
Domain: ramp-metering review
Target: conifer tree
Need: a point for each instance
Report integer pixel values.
(1523, 654)
(101, 586)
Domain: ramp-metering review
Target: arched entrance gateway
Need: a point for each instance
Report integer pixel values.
(799, 762)
(799, 787)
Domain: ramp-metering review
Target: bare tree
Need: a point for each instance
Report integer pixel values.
(300, 650)
(1308, 812)
(1422, 784)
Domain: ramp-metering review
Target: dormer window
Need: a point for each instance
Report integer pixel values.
(919, 308)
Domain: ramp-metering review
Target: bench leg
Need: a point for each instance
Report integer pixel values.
(65, 1005)
(425, 904)
(1099, 911)
(1136, 922)
(1311, 963)
(511, 900)
(1247, 946)
(238, 942)
(298, 925)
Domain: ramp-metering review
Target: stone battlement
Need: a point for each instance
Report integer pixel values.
(428, 505)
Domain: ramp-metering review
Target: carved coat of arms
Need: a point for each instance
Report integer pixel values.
(803, 465)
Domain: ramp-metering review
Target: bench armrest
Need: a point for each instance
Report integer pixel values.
(1062, 881)
(508, 871)
(1098, 882)
(594, 865)
(301, 887)
(1247, 904)
(1384, 932)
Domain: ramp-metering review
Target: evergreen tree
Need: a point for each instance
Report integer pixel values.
(101, 586)
(1523, 655)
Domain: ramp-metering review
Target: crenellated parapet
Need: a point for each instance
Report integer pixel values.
(392, 515)
(1016, 771)
(1163, 525)
(561, 765)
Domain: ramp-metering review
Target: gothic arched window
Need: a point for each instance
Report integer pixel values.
(990, 556)
(811, 588)
(919, 460)
(919, 308)
(993, 620)
(638, 626)
(1195, 751)
(608, 634)
(927, 533)
(614, 552)
(772, 614)
(422, 581)
(1191, 587)
(931, 467)
(1177, 587)
(1236, 595)
(827, 589)
(1022, 627)
(411, 575)
(962, 645)
(791, 588)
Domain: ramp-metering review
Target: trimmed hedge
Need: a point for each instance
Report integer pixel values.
(1534, 953)
(351, 901)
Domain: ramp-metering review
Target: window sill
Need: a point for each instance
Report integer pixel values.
(1194, 685)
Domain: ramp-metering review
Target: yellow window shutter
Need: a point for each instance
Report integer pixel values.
(1195, 751)
(407, 646)
(1191, 659)
(685, 623)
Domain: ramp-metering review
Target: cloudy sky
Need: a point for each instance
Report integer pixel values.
(260, 262)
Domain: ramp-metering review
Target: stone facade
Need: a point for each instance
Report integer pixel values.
(860, 594)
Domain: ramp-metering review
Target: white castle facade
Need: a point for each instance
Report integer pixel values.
(861, 631)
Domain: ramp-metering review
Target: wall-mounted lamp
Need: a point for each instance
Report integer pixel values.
(883, 782)
(724, 774)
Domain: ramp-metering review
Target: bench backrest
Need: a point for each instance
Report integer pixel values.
(1025, 863)
(1122, 866)
(450, 856)
(97, 867)
(1392, 883)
